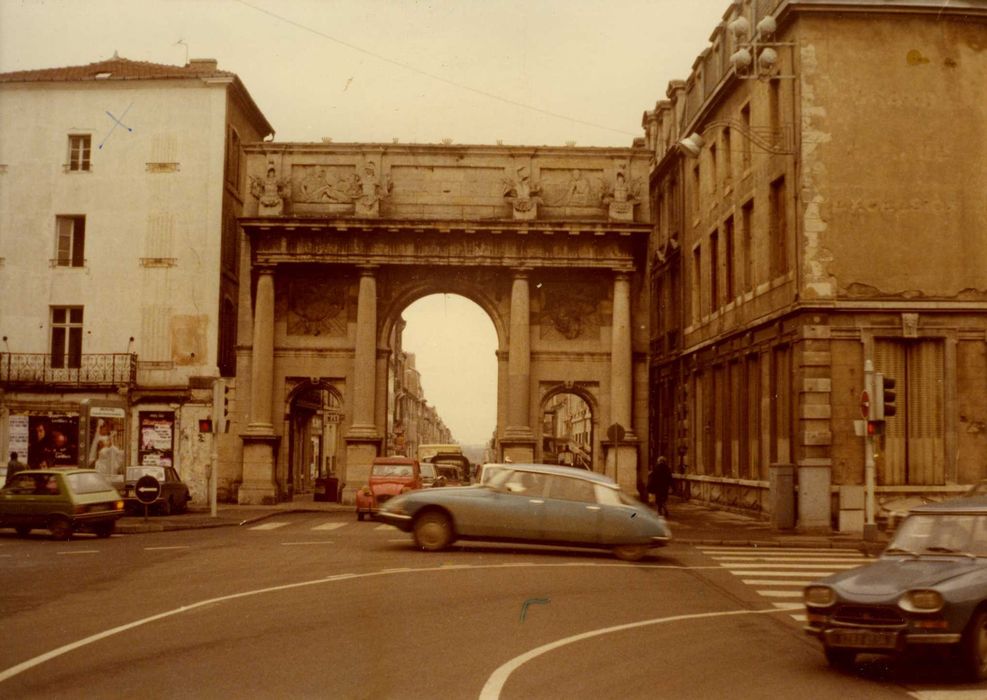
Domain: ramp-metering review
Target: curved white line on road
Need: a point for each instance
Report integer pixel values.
(491, 690)
(54, 653)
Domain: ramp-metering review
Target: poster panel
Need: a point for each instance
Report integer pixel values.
(53, 441)
(157, 438)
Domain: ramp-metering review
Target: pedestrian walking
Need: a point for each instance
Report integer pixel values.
(659, 482)
(13, 466)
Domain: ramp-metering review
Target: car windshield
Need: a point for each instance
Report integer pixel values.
(428, 471)
(392, 470)
(88, 482)
(946, 533)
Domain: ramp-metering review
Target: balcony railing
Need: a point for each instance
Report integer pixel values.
(37, 370)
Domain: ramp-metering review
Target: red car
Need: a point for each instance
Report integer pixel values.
(389, 476)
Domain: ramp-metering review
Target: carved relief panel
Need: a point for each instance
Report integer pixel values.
(570, 310)
(316, 306)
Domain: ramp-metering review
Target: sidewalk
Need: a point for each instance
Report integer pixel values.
(691, 523)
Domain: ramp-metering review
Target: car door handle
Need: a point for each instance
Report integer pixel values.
(592, 507)
(536, 500)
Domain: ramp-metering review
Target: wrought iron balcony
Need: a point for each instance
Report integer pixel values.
(92, 371)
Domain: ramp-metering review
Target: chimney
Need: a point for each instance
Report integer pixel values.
(203, 64)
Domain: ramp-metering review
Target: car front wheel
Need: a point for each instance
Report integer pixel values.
(433, 531)
(974, 646)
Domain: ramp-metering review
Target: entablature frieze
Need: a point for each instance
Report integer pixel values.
(474, 244)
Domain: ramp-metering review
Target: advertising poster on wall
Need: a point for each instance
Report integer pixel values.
(106, 447)
(18, 430)
(53, 441)
(157, 431)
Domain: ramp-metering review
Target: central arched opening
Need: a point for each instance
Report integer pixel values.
(443, 379)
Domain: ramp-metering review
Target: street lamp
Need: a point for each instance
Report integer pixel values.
(757, 56)
(772, 140)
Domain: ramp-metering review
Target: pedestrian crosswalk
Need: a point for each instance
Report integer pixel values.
(779, 574)
(314, 525)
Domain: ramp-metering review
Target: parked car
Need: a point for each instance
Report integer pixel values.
(532, 503)
(429, 475)
(928, 590)
(174, 496)
(454, 469)
(62, 501)
(389, 476)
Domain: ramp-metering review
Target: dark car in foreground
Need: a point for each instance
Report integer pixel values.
(532, 503)
(61, 501)
(927, 591)
(173, 498)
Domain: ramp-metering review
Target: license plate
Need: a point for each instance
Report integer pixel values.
(862, 639)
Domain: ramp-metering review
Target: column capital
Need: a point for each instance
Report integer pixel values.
(266, 268)
(622, 273)
(522, 272)
(368, 270)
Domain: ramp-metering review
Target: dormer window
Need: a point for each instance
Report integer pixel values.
(80, 146)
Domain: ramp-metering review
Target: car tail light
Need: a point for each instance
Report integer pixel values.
(118, 505)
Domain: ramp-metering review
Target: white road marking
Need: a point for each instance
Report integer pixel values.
(811, 575)
(948, 694)
(79, 551)
(382, 526)
(158, 549)
(735, 558)
(295, 544)
(268, 526)
(775, 565)
(773, 582)
(781, 594)
(17, 669)
(329, 526)
(493, 686)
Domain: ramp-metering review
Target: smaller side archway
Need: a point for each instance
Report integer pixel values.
(569, 428)
(314, 413)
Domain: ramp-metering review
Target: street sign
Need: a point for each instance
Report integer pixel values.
(147, 489)
(864, 404)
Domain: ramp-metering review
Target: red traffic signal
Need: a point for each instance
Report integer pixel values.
(205, 425)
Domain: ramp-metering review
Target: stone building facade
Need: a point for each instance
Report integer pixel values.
(829, 210)
(120, 187)
(340, 238)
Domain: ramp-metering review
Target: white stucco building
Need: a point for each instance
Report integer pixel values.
(120, 184)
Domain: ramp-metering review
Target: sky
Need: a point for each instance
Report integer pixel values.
(525, 72)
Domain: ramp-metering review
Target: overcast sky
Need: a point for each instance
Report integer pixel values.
(528, 72)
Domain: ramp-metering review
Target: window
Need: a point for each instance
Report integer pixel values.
(778, 230)
(714, 271)
(746, 222)
(697, 276)
(745, 120)
(80, 146)
(66, 337)
(70, 246)
(714, 174)
(729, 288)
(727, 157)
(233, 158)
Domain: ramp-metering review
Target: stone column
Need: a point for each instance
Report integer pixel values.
(365, 361)
(519, 443)
(259, 440)
(620, 353)
(622, 457)
(363, 438)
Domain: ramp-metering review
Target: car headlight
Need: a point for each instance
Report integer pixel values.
(819, 596)
(923, 600)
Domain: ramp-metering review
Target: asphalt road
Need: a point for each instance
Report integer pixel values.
(318, 605)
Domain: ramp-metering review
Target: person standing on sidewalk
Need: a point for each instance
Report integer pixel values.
(659, 482)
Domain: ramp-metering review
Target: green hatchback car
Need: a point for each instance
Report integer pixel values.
(62, 501)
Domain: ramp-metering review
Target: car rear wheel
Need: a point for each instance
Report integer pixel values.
(840, 658)
(630, 552)
(60, 527)
(23, 530)
(104, 529)
(974, 646)
(433, 531)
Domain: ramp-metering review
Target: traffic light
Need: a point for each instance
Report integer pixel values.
(884, 401)
(221, 405)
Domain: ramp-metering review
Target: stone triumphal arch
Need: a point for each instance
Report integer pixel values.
(340, 238)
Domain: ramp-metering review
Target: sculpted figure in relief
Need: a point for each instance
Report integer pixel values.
(270, 192)
(316, 187)
(522, 193)
(621, 197)
(372, 190)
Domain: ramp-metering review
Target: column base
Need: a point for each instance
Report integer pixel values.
(622, 465)
(518, 450)
(258, 487)
(359, 456)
